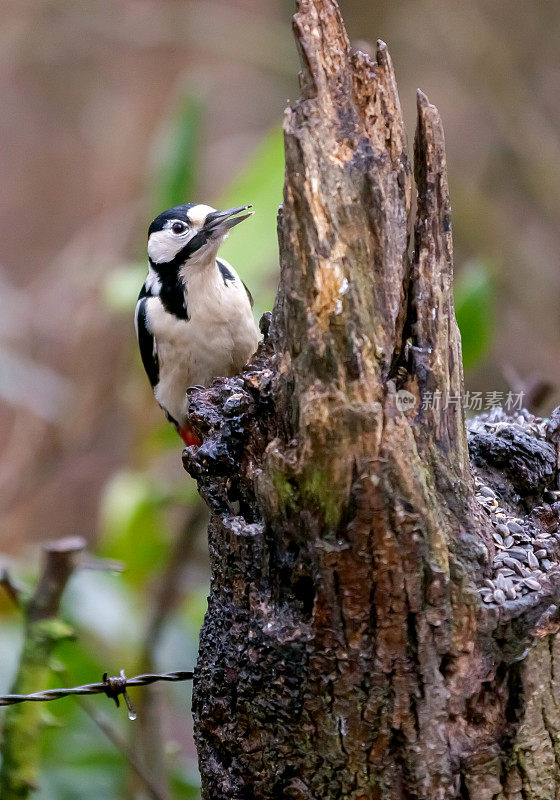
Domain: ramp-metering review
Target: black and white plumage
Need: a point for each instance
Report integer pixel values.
(194, 318)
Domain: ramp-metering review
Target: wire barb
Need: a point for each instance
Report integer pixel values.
(116, 686)
(112, 687)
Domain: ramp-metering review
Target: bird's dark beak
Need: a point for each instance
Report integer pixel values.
(221, 222)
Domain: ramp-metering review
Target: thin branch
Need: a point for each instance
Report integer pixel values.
(167, 596)
(60, 561)
(43, 631)
(168, 593)
(122, 745)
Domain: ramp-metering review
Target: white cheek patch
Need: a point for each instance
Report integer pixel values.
(198, 214)
(163, 246)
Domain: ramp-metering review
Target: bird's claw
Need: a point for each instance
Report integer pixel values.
(196, 388)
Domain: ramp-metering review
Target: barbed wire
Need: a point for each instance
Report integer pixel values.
(112, 687)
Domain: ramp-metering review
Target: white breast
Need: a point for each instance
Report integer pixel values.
(217, 340)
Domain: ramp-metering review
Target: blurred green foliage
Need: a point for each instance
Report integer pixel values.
(254, 250)
(133, 509)
(122, 286)
(177, 156)
(474, 309)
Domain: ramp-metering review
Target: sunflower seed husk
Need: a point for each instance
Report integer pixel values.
(509, 541)
(532, 560)
(519, 568)
(499, 596)
(518, 553)
(503, 529)
(514, 527)
(531, 583)
(541, 553)
(501, 581)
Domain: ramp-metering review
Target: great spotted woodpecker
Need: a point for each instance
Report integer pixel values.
(194, 318)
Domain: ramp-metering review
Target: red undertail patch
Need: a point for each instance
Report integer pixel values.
(189, 436)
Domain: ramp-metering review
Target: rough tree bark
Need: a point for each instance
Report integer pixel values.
(368, 633)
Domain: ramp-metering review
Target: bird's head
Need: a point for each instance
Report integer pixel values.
(190, 233)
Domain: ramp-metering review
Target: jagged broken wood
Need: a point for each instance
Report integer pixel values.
(347, 651)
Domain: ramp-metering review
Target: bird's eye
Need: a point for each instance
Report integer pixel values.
(178, 227)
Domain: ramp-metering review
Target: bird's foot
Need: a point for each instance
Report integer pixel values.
(196, 388)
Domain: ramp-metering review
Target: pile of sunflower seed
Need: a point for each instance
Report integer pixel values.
(524, 556)
(498, 419)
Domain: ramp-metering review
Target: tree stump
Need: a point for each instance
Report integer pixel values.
(382, 615)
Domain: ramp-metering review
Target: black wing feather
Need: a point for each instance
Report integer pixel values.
(148, 351)
(227, 276)
(249, 295)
